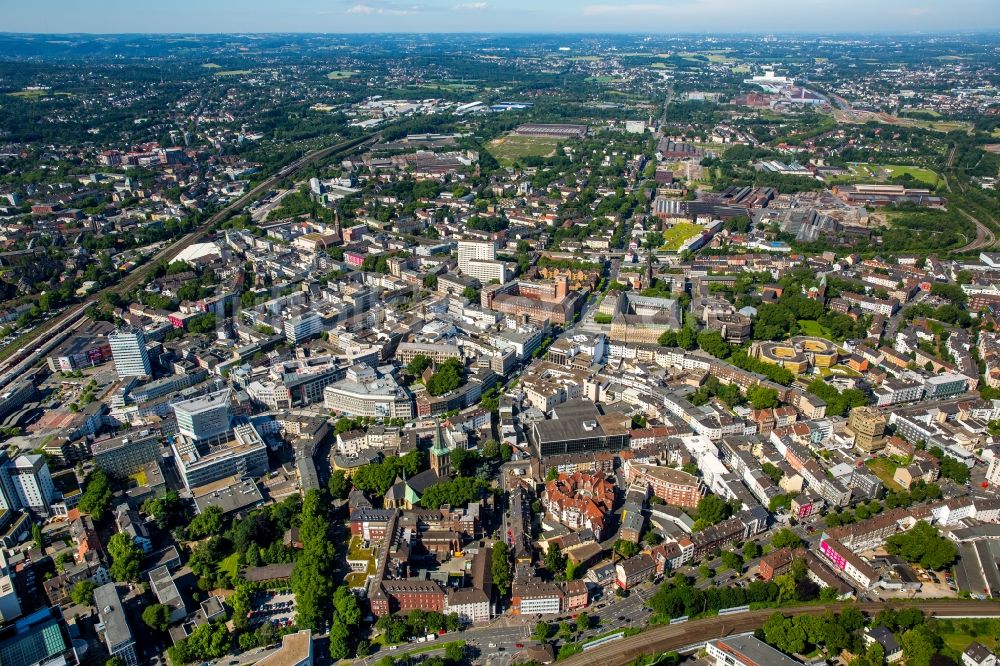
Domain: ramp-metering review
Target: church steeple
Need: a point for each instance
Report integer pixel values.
(440, 454)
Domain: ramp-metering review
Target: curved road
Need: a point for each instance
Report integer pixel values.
(54, 331)
(985, 238)
(673, 637)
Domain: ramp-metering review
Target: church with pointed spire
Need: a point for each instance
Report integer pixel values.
(405, 493)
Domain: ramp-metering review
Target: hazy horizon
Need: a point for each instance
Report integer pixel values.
(47, 17)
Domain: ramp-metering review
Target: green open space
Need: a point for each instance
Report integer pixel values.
(814, 328)
(509, 149)
(231, 565)
(884, 468)
(865, 172)
(341, 74)
(211, 65)
(958, 634)
(448, 86)
(35, 95)
(675, 236)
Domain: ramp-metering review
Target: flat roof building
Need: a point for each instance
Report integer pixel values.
(114, 625)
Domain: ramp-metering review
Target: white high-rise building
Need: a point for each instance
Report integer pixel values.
(128, 347)
(993, 472)
(478, 259)
(206, 417)
(27, 484)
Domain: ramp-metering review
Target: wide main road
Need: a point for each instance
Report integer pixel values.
(673, 637)
(52, 332)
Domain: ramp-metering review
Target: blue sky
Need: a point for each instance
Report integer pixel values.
(115, 16)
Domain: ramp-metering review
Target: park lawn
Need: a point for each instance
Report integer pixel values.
(509, 149)
(813, 328)
(30, 94)
(675, 236)
(957, 635)
(231, 565)
(884, 468)
(942, 125)
(211, 65)
(923, 175)
(863, 172)
(341, 74)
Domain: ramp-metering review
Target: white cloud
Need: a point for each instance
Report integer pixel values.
(364, 9)
(472, 6)
(641, 8)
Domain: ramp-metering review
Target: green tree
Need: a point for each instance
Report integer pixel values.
(554, 560)
(418, 364)
(157, 617)
(312, 578)
(126, 558)
(339, 485)
(786, 538)
(626, 548)
(340, 640)
(762, 397)
(541, 632)
(582, 622)
(920, 645)
(206, 523)
(924, 545)
(83, 593)
(38, 537)
(454, 652)
(775, 474)
(491, 449)
(500, 567)
(712, 509)
(97, 495)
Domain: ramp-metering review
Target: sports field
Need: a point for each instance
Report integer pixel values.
(509, 149)
(881, 173)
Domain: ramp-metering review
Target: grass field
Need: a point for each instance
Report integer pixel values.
(233, 72)
(448, 87)
(674, 237)
(880, 173)
(509, 149)
(231, 565)
(30, 94)
(884, 468)
(341, 74)
(959, 634)
(211, 65)
(814, 328)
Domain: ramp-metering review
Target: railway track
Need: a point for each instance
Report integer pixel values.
(673, 637)
(53, 332)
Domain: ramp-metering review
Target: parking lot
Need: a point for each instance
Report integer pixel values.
(278, 608)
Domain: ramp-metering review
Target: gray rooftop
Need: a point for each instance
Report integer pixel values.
(754, 651)
(109, 607)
